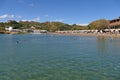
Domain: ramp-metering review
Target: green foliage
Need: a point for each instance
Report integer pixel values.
(2, 26)
(14, 24)
(55, 26)
(99, 24)
(79, 27)
(49, 26)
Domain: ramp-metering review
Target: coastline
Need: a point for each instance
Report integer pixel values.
(90, 34)
(111, 35)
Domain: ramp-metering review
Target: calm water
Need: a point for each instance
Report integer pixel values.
(53, 57)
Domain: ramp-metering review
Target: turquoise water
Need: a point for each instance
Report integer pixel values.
(54, 57)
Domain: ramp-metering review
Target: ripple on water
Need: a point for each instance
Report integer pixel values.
(45, 57)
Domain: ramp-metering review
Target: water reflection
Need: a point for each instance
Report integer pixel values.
(101, 44)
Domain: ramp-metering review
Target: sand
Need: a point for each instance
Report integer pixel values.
(90, 34)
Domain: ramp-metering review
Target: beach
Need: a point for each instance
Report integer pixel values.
(90, 34)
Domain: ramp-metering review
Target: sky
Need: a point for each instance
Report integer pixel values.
(66, 11)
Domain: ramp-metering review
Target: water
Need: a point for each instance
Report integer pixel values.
(54, 57)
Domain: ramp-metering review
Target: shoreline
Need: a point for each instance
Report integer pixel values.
(111, 35)
(90, 34)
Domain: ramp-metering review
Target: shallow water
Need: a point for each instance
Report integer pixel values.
(54, 57)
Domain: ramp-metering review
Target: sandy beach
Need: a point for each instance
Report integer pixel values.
(91, 34)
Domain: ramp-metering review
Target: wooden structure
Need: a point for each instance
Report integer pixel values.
(114, 24)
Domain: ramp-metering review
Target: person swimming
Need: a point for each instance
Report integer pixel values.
(17, 42)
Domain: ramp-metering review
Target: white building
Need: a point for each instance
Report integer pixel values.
(9, 28)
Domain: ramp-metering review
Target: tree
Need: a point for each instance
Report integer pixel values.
(14, 24)
(2, 26)
(99, 24)
(79, 27)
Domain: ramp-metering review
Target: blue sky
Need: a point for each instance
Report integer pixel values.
(67, 11)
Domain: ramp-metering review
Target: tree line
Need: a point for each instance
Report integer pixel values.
(53, 26)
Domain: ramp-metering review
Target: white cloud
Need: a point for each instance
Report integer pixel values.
(83, 24)
(24, 20)
(59, 20)
(46, 15)
(6, 16)
(34, 19)
(18, 16)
